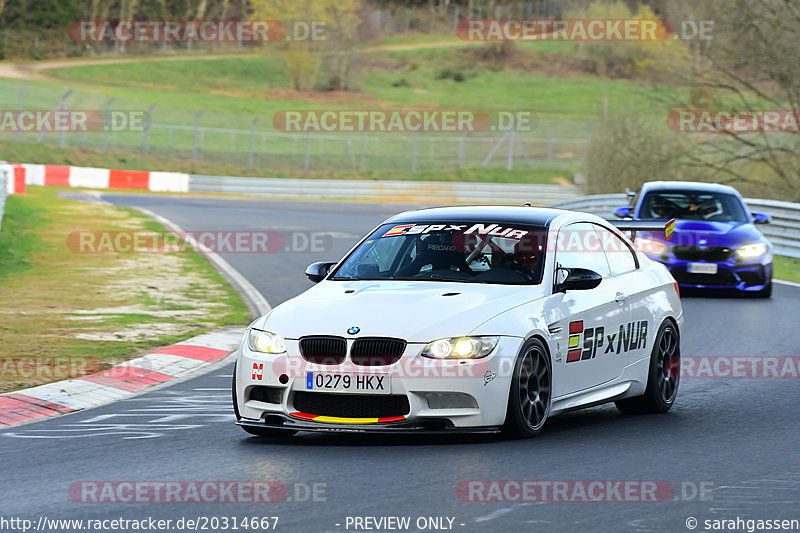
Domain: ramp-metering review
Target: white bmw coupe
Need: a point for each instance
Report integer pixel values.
(473, 319)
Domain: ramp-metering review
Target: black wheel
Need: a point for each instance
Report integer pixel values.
(663, 378)
(530, 394)
(259, 432)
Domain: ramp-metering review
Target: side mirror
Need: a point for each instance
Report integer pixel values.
(623, 212)
(316, 272)
(761, 218)
(577, 279)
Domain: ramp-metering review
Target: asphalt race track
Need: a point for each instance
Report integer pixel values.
(729, 448)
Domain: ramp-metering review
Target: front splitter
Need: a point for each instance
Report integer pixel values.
(427, 426)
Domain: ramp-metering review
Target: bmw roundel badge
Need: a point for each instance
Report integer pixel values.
(353, 330)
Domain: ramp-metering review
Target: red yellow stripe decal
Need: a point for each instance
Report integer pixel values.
(397, 230)
(340, 420)
(669, 228)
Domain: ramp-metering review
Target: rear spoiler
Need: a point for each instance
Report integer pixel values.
(644, 225)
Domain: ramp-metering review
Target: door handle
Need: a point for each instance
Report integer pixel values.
(621, 298)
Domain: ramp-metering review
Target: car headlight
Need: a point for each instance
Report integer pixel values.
(756, 249)
(460, 348)
(265, 342)
(650, 246)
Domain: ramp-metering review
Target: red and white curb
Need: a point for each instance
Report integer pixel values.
(15, 178)
(103, 178)
(165, 365)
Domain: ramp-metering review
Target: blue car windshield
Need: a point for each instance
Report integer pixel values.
(464, 252)
(692, 205)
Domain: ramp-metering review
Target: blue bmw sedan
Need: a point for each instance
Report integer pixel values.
(715, 244)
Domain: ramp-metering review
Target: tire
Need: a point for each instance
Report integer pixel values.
(663, 377)
(258, 432)
(530, 395)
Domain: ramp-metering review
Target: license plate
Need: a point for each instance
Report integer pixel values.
(345, 382)
(702, 268)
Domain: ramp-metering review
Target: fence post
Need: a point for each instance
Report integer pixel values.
(147, 128)
(20, 106)
(196, 133)
(306, 159)
(549, 145)
(108, 124)
(62, 105)
(510, 150)
(252, 143)
(415, 138)
(461, 143)
(363, 163)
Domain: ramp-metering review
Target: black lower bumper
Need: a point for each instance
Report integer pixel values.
(427, 426)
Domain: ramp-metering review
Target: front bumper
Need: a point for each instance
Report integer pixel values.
(752, 275)
(443, 396)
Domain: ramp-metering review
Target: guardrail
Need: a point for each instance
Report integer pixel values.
(420, 192)
(783, 231)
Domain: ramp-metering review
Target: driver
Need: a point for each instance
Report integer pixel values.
(527, 255)
(660, 209)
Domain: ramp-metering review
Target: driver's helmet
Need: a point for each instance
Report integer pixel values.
(528, 251)
(709, 208)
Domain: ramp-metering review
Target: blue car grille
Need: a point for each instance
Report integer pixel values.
(712, 254)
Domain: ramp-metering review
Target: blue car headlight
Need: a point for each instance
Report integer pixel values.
(756, 249)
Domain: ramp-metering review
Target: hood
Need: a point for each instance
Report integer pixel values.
(417, 311)
(694, 232)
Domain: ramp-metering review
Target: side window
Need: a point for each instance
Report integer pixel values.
(579, 246)
(620, 256)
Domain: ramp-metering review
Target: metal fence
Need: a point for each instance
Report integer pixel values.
(783, 231)
(239, 140)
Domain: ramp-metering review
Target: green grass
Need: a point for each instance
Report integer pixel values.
(786, 268)
(18, 238)
(96, 308)
(244, 86)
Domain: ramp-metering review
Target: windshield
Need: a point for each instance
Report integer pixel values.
(467, 252)
(700, 205)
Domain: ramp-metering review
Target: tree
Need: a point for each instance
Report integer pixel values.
(627, 149)
(304, 57)
(752, 64)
